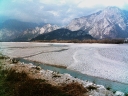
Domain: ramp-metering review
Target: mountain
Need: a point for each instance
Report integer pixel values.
(14, 30)
(13, 24)
(11, 29)
(63, 34)
(3, 18)
(111, 22)
(48, 28)
(28, 34)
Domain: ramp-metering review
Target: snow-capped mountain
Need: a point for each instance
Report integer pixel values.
(111, 22)
(14, 30)
(28, 34)
(48, 28)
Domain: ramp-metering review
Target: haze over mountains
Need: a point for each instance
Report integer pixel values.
(110, 23)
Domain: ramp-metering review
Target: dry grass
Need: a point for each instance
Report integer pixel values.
(74, 89)
(105, 41)
(20, 84)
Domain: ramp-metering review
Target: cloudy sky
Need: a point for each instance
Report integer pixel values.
(58, 12)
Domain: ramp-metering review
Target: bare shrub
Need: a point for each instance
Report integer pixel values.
(75, 89)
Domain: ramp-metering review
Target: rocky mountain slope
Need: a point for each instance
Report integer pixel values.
(64, 34)
(28, 34)
(111, 22)
(14, 30)
(11, 29)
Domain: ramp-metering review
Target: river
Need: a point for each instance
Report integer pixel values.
(113, 85)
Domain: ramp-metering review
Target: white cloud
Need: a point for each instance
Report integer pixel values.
(93, 3)
(48, 1)
(54, 13)
(30, 0)
(69, 10)
(13, 0)
(41, 7)
(59, 2)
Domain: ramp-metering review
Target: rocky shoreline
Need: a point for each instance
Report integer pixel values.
(57, 79)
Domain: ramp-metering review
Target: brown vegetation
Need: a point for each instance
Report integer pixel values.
(20, 84)
(105, 41)
(74, 89)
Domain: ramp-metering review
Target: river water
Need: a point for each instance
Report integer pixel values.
(107, 83)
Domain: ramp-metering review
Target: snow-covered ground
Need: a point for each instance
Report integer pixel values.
(109, 61)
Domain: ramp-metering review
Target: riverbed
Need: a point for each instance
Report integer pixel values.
(107, 61)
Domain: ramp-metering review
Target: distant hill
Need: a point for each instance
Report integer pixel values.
(14, 30)
(13, 24)
(28, 34)
(64, 34)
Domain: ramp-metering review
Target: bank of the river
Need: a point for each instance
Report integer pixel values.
(113, 85)
(56, 78)
(13, 82)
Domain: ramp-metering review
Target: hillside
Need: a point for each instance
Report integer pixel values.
(64, 34)
(111, 23)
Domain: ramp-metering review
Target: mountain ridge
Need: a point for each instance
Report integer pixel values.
(110, 23)
(15, 30)
(103, 24)
(63, 34)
